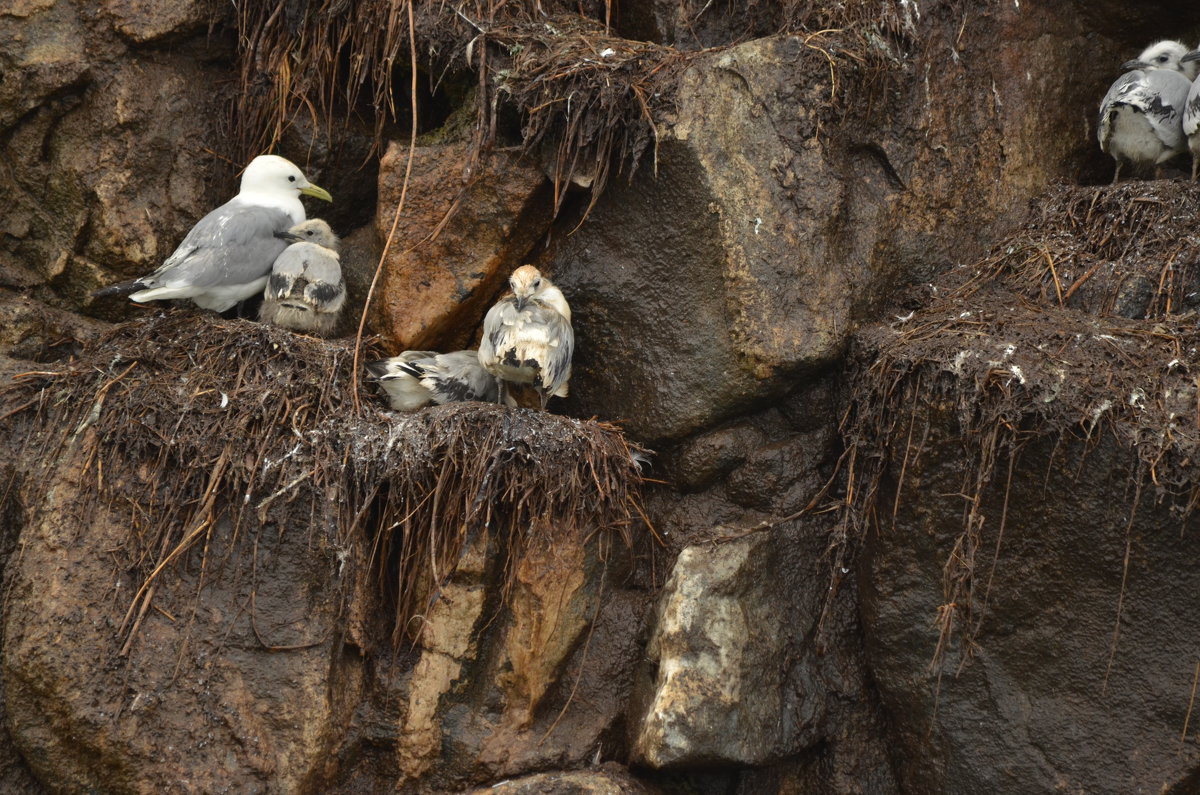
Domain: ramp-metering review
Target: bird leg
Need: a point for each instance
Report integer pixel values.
(1117, 173)
(1195, 164)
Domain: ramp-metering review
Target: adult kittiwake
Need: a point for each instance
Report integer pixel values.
(528, 340)
(305, 291)
(227, 256)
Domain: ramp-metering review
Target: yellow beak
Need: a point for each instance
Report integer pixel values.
(317, 192)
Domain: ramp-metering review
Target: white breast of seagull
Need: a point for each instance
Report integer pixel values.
(286, 200)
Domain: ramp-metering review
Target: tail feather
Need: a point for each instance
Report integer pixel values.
(378, 369)
(410, 368)
(123, 288)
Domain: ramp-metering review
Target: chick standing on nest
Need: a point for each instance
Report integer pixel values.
(305, 291)
(528, 341)
(1141, 116)
(415, 379)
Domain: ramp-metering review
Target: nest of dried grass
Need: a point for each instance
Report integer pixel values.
(1025, 346)
(185, 420)
(1131, 250)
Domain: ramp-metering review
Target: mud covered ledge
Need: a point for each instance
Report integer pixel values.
(185, 418)
(1060, 370)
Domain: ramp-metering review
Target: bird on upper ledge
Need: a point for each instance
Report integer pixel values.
(1141, 116)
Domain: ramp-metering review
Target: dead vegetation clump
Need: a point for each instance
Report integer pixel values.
(1131, 250)
(1008, 351)
(182, 421)
(580, 90)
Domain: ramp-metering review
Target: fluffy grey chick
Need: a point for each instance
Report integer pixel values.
(418, 378)
(1141, 116)
(528, 340)
(305, 291)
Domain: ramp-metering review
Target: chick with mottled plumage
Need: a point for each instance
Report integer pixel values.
(415, 379)
(528, 341)
(1141, 116)
(305, 291)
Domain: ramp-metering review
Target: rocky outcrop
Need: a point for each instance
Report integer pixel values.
(109, 151)
(456, 242)
(1081, 668)
(723, 649)
(782, 206)
(608, 779)
(249, 688)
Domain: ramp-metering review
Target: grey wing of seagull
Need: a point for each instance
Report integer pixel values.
(326, 290)
(234, 244)
(404, 389)
(1160, 94)
(458, 376)
(1167, 96)
(1191, 109)
(536, 339)
(1123, 86)
(562, 347)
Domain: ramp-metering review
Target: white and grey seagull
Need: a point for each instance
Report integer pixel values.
(227, 255)
(305, 291)
(1141, 116)
(528, 340)
(415, 379)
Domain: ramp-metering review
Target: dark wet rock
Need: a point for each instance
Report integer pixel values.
(201, 696)
(109, 161)
(43, 56)
(700, 461)
(434, 293)
(1038, 708)
(782, 476)
(143, 21)
(742, 259)
(34, 332)
(15, 775)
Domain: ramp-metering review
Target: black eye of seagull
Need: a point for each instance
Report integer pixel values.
(291, 179)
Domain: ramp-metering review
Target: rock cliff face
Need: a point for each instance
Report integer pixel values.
(830, 588)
